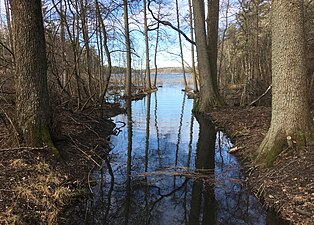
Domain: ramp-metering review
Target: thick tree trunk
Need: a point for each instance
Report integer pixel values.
(209, 95)
(32, 102)
(212, 36)
(291, 124)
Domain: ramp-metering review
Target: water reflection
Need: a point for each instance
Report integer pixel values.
(203, 193)
(129, 162)
(166, 168)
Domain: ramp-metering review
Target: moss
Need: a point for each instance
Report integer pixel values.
(271, 156)
(39, 136)
(46, 139)
(196, 106)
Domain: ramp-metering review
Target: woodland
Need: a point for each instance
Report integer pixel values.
(252, 72)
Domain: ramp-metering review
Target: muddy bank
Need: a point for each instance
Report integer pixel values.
(288, 186)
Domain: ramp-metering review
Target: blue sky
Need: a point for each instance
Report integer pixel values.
(168, 54)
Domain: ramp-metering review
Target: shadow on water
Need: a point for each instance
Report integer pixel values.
(170, 167)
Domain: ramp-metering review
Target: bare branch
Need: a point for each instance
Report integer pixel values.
(167, 23)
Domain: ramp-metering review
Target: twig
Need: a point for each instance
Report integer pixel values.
(259, 98)
(88, 181)
(83, 152)
(83, 124)
(23, 148)
(15, 131)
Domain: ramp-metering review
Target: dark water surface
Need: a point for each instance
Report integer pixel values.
(169, 167)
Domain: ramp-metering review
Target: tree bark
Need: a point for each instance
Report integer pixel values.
(195, 85)
(32, 102)
(148, 80)
(109, 71)
(290, 106)
(209, 95)
(86, 44)
(180, 45)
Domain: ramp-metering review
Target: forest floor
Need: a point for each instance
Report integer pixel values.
(288, 186)
(36, 188)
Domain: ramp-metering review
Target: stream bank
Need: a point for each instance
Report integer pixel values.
(287, 187)
(35, 188)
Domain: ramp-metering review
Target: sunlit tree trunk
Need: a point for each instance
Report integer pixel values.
(212, 36)
(180, 45)
(209, 95)
(148, 80)
(195, 85)
(291, 123)
(32, 102)
(155, 57)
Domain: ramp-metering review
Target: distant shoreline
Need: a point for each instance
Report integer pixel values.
(168, 70)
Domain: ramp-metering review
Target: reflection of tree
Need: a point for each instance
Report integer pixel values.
(203, 197)
(129, 161)
(188, 167)
(147, 131)
(179, 136)
(180, 128)
(146, 151)
(191, 141)
(156, 125)
(110, 189)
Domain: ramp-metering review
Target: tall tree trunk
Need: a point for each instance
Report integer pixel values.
(109, 70)
(63, 49)
(180, 45)
(155, 57)
(86, 44)
(148, 81)
(291, 123)
(32, 102)
(156, 48)
(209, 95)
(128, 81)
(212, 36)
(195, 85)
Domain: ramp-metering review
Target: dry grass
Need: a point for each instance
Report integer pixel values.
(37, 191)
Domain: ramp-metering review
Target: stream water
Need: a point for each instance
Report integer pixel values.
(169, 167)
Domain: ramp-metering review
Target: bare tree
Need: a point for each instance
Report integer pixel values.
(128, 82)
(148, 80)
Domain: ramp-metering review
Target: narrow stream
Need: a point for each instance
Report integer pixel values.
(169, 167)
